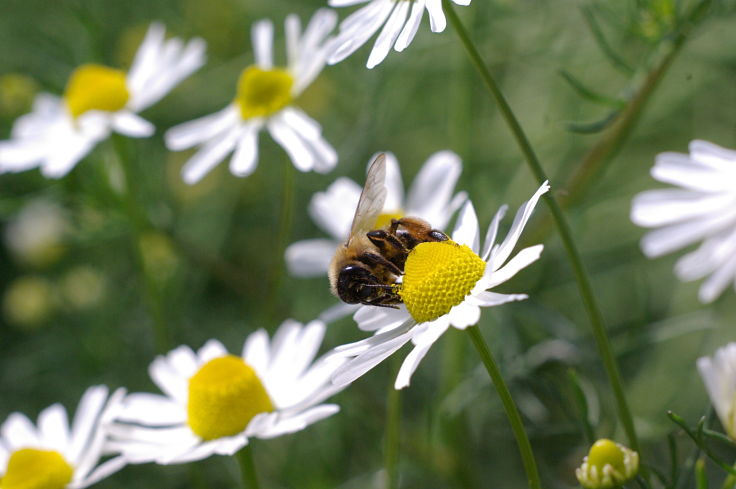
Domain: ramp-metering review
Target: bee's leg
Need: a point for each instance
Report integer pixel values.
(414, 231)
(389, 299)
(373, 260)
(390, 246)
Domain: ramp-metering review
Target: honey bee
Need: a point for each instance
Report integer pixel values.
(365, 270)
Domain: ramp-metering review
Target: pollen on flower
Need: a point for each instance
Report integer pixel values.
(263, 92)
(438, 276)
(96, 87)
(30, 468)
(383, 220)
(224, 395)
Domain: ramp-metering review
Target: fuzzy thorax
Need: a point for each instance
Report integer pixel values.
(437, 277)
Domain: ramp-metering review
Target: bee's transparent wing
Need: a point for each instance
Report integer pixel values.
(372, 198)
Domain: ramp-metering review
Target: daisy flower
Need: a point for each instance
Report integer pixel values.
(702, 209)
(265, 98)
(55, 455)
(400, 20)
(719, 375)
(214, 401)
(97, 101)
(430, 197)
(445, 284)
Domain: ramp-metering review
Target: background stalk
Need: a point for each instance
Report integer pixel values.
(392, 440)
(248, 473)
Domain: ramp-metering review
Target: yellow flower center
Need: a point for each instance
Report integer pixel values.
(606, 452)
(384, 220)
(224, 395)
(263, 92)
(29, 468)
(96, 87)
(438, 276)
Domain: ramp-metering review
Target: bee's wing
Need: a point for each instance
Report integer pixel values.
(371, 199)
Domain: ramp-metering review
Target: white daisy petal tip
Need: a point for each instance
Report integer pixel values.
(719, 376)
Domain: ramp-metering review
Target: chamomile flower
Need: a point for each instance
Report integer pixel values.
(54, 454)
(607, 465)
(265, 98)
(719, 375)
(430, 197)
(444, 284)
(98, 100)
(400, 20)
(215, 401)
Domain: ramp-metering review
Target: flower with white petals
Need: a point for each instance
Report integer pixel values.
(55, 455)
(214, 401)
(719, 375)
(607, 465)
(430, 197)
(444, 284)
(265, 98)
(98, 100)
(702, 209)
(400, 20)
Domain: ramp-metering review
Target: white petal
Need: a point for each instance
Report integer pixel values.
(431, 191)
(358, 27)
(466, 228)
(17, 432)
(669, 238)
(493, 232)
(288, 139)
(245, 157)
(661, 207)
(410, 364)
(262, 34)
(194, 132)
(337, 312)
(360, 365)
(490, 299)
(209, 155)
(310, 257)
(257, 352)
(102, 471)
(152, 410)
(394, 185)
(437, 21)
(523, 259)
(411, 26)
(299, 422)
(211, 350)
(712, 155)
(464, 314)
(718, 281)
(371, 318)
(53, 426)
(679, 169)
(85, 421)
(388, 35)
(132, 125)
(333, 209)
(344, 3)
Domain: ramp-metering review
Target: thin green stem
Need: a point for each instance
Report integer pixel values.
(525, 448)
(393, 428)
(140, 225)
(285, 223)
(248, 472)
(586, 292)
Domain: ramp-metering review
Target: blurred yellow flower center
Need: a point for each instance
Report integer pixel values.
(263, 92)
(224, 395)
(29, 468)
(438, 276)
(606, 452)
(384, 220)
(96, 87)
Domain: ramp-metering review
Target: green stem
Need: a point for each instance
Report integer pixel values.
(393, 427)
(140, 224)
(525, 448)
(586, 292)
(247, 467)
(285, 223)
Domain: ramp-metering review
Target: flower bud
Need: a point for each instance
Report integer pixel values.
(608, 464)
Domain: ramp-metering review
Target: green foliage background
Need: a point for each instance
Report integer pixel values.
(213, 257)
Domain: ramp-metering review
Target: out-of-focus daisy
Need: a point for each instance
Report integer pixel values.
(719, 375)
(214, 401)
(97, 101)
(444, 284)
(35, 234)
(265, 98)
(55, 455)
(400, 20)
(702, 209)
(430, 197)
(607, 465)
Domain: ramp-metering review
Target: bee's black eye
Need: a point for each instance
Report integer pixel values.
(364, 292)
(438, 235)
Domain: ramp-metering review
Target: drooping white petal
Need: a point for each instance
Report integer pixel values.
(361, 364)
(411, 26)
(496, 276)
(197, 131)
(357, 28)
(152, 409)
(209, 156)
(294, 146)
(245, 158)
(132, 125)
(310, 257)
(300, 421)
(102, 471)
(718, 281)
(388, 35)
(675, 236)
(371, 318)
(464, 314)
(437, 21)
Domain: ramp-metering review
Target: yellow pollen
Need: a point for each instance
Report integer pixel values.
(606, 452)
(438, 276)
(96, 87)
(383, 220)
(29, 468)
(224, 395)
(263, 92)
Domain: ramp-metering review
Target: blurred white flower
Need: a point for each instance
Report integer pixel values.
(265, 98)
(98, 100)
(702, 209)
(35, 234)
(400, 20)
(719, 375)
(430, 197)
(55, 455)
(214, 401)
(444, 284)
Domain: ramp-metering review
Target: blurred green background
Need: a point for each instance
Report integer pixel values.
(76, 310)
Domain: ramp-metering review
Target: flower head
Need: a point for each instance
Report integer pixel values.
(444, 284)
(215, 401)
(719, 375)
(97, 101)
(430, 197)
(55, 455)
(265, 98)
(400, 20)
(607, 465)
(702, 209)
